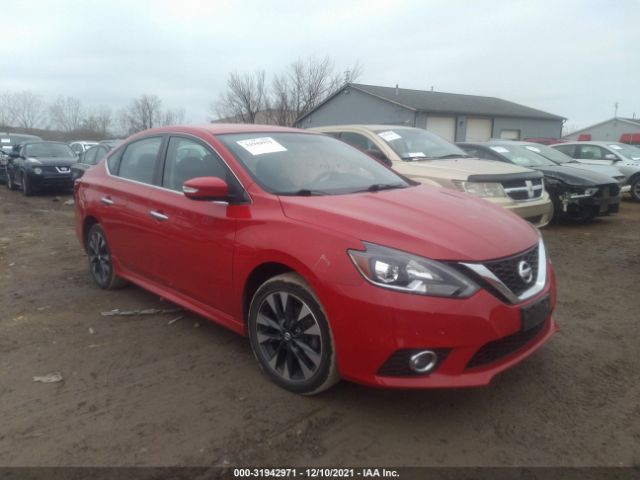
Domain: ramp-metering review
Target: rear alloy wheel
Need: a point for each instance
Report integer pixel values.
(100, 262)
(27, 188)
(290, 336)
(635, 189)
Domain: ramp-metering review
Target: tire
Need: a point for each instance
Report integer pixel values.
(635, 189)
(556, 216)
(298, 362)
(100, 263)
(9, 182)
(27, 188)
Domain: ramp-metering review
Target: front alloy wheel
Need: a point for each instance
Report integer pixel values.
(635, 190)
(290, 336)
(100, 264)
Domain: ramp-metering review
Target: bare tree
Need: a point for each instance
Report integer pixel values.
(173, 117)
(144, 112)
(26, 109)
(99, 121)
(304, 85)
(244, 99)
(6, 118)
(67, 114)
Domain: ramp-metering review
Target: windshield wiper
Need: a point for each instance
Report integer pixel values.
(453, 155)
(376, 187)
(303, 192)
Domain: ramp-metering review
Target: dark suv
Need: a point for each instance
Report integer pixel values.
(7, 141)
(35, 165)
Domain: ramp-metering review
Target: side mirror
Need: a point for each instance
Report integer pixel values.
(206, 188)
(611, 156)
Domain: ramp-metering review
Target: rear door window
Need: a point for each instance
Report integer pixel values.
(139, 160)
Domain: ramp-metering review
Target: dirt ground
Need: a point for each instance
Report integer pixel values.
(138, 391)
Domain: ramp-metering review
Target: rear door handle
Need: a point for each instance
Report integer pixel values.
(158, 216)
(106, 201)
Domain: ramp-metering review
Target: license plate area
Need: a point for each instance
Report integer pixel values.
(536, 313)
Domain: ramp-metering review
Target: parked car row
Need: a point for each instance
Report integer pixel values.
(333, 255)
(29, 163)
(535, 181)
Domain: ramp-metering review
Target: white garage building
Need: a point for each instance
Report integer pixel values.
(453, 116)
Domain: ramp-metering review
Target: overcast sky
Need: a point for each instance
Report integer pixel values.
(571, 58)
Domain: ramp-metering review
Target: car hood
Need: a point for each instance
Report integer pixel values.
(576, 176)
(433, 222)
(609, 171)
(55, 161)
(455, 168)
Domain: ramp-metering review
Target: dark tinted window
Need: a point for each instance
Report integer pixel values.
(139, 160)
(187, 159)
(47, 150)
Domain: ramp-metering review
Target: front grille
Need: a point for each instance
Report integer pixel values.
(498, 349)
(397, 365)
(521, 190)
(507, 270)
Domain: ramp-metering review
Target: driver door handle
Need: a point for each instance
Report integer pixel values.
(106, 201)
(158, 216)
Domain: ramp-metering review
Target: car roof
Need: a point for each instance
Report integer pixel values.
(222, 128)
(362, 126)
(591, 142)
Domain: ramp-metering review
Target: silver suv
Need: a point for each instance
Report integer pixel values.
(626, 158)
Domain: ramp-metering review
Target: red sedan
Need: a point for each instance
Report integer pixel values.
(333, 265)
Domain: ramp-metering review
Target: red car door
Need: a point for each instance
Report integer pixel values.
(126, 202)
(196, 240)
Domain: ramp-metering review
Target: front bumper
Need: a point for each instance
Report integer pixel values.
(371, 324)
(538, 212)
(50, 178)
(589, 207)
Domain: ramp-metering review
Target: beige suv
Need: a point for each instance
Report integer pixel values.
(428, 158)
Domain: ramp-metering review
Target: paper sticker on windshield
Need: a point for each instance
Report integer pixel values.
(5, 140)
(258, 146)
(499, 149)
(532, 148)
(389, 135)
(616, 147)
(415, 154)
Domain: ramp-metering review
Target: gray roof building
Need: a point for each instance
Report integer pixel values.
(456, 117)
(609, 130)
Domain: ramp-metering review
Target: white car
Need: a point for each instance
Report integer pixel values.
(625, 158)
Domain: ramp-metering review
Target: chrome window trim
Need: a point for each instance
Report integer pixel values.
(496, 283)
(125, 145)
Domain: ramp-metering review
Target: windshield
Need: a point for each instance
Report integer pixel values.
(417, 144)
(628, 151)
(550, 153)
(308, 164)
(522, 156)
(47, 150)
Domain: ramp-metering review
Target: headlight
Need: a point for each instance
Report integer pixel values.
(587, 192)
(37, 171)
(397, 270)
(480, 189)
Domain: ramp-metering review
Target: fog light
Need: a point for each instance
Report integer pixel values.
(423, 362)
(37, 171)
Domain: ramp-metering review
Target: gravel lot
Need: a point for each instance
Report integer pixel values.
(138, 391)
